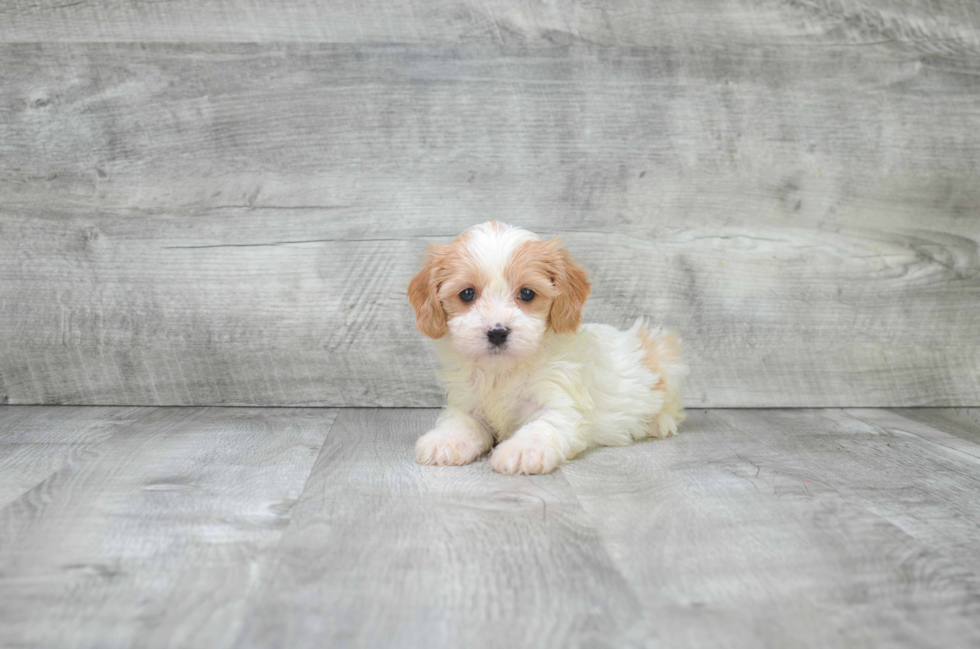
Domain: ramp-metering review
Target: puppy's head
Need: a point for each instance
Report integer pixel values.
(495, 290)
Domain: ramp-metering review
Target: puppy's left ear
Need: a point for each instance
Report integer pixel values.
(572, 283)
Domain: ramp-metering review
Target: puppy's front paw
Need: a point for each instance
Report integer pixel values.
(523, 456)
(446, 448)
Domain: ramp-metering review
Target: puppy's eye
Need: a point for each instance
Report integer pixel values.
(467, 295)
(526, 294)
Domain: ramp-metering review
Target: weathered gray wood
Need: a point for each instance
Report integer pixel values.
(380, 551)
(236, 224)
(962, 422)
(934, 26)
(35, 442)
(920, 479)
(793, 528)
(153, 537)
(213, 527)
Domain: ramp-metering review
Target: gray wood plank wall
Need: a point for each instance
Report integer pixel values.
(214, 203)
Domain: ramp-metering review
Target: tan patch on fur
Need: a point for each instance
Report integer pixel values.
(460, 274)
(657, 351)
(573, 291)
(434, 291)
(550, 271)
(532, 265)
(651, 356)
(430, 318)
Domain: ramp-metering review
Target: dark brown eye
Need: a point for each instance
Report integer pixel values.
(467, 295)
(526, 294)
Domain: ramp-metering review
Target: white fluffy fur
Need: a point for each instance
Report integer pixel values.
(547, 396)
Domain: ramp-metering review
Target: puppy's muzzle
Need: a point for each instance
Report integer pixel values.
(498, 336)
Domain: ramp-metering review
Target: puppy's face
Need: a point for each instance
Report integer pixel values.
(495, 290)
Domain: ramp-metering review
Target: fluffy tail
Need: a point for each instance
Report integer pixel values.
(662, 355)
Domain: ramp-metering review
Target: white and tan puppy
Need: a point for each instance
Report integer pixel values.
(519, 367)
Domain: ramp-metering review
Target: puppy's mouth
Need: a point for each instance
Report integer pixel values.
(498, 353)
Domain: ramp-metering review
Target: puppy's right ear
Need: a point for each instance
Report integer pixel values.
(423, 293)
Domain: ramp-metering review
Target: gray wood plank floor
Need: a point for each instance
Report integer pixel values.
(221, 527)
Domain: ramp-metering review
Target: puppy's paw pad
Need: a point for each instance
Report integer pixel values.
(521, 456)
(445, 449)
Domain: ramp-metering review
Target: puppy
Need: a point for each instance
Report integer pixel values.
(519, 368)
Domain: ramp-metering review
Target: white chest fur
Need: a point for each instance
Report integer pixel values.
(503, 400)
(499, 400)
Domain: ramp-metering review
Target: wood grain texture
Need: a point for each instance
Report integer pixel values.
(214, 527)
(919, 478)
(37, 442)
(939, 26)
(793, 528)
(961, 422)
(152, 537)
(236, 224)
(380, 549)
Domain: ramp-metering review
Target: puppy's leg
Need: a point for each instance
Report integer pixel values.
(458, 438)
(666, 421)
(540, 445)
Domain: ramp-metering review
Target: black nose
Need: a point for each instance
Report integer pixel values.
(498, 336)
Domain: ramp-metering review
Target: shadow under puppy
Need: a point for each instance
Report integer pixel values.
(519, 367)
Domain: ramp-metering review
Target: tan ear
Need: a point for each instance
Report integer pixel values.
(430, 318)
(572, 283)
